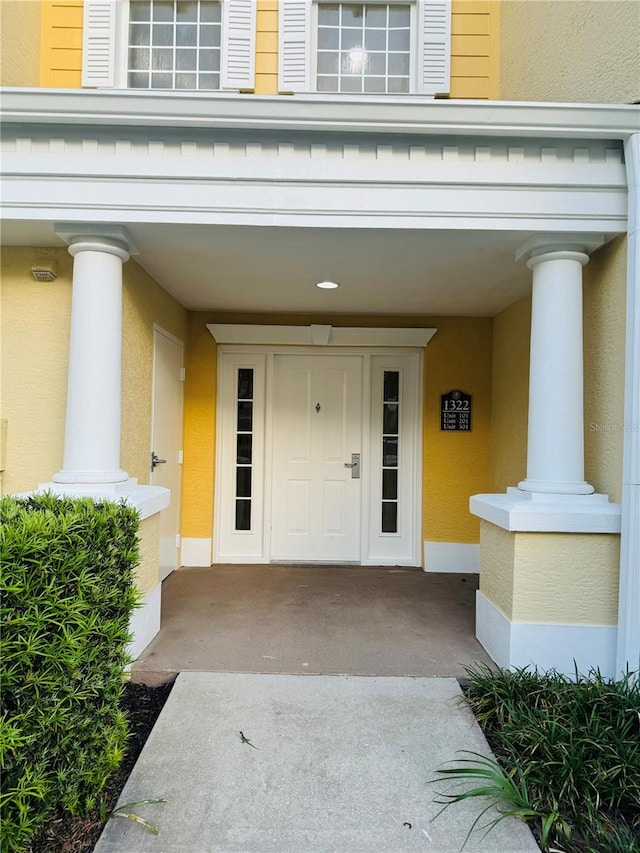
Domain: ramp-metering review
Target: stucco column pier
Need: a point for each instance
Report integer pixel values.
(546, 549)
(555, 445)
(92, 432)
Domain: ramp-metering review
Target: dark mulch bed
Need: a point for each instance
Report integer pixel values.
(65, 834)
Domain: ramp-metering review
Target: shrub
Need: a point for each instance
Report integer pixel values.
(68, 594)
(574, 744)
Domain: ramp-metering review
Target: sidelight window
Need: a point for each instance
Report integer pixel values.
(244, 447)
(390, 450)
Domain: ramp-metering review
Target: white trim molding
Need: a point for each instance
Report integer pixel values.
(145, 621)
(315, 335)
(195, 552)
(148, 500)
(544, 646)
(532, 512)
(451, 557)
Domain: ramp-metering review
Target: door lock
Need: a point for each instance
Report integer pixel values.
(354, 465)
(155, 461)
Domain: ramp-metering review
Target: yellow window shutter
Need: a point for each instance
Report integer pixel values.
(434, 51)
(294, 55)
(98, 43)
(238, 63)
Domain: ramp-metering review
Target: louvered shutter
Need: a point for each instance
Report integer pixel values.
(238, 44)
(294, 59)
(434, 52)
(99, 43)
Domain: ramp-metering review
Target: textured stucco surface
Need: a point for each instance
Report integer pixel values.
(146, 574)
(20, 25)
(510, 394)
(561, 578)
(604, 361)
(144, 303)
(497, 549)
(36, 319)
(570, 51)
(456, 465)
(569, 578)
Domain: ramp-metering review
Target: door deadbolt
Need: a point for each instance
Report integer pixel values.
(155, 461)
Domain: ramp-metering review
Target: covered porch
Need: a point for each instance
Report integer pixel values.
(314, 620)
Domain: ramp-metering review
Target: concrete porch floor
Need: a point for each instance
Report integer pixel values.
(320, 620)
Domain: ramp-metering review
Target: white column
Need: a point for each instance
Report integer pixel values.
(555, 450)
(92, 433)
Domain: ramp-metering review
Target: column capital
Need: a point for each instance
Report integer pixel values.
(86, 236)
(542, 244)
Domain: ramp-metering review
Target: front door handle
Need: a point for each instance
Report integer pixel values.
(155, 461)
(354, 465)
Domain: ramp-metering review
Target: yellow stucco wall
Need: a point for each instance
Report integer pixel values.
(146, 573)
(510, 394)
(561, 578)
(36, 319)
(586, 51)
(144, 303)
(20, 27)
(475, 45)
(456, 465)
(604, 362)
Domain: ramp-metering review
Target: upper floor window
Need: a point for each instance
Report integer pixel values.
(363, 47)
(174, 44)
(375, 47)
(169, 44)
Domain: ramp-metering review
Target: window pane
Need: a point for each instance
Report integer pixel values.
(389, 484)
(328, 39)
(162, 81)
(400, 40)
(352, 14)
(139, 34)
(390, 452)
(161, 59)
(186, 35)
(375, 40)
(399, 64)
(389, 517)
(163, 10)
(243, 456)
(243, 482)
(138, 59)
(376, 16)
(377, 64)
(243, 515)
(351, 39)
(187, 10)
(138, 80)
(139, 10)
(162, 35)
(209, 81)
(399, 16)
(327, 63)
(397, 85)
(328, 13)
(245, 416)
(351, 84)
(375, 84)
(245, 383)
(186, 81)
(327, 84)
(390, 418)
(353, 62)
(209, 36)
(391, 386)
(186, 60)
(210, 12)
(209, 60)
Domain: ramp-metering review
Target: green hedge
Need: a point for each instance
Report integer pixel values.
(67, 598)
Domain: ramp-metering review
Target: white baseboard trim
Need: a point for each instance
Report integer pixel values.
(451, 557)
(145, 621)
(545, 645)
(196, 552)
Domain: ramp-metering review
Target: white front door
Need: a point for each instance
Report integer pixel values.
(317, 426)
(166, 441)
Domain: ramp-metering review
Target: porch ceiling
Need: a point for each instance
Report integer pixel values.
(274, 269)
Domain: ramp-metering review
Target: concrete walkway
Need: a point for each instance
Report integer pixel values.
(342, 764)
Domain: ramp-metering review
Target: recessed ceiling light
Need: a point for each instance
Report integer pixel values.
(327, 285)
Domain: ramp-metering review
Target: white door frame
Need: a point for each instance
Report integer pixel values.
(265, 355)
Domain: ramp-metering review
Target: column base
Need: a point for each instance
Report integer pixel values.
(91, 478)
(556, 487)
(532, 645)
(520, 510)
